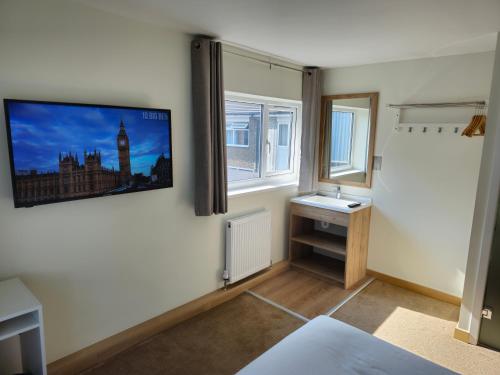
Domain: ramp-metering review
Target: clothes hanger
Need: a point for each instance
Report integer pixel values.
(477, 125)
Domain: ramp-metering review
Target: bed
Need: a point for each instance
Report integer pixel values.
(327, 346)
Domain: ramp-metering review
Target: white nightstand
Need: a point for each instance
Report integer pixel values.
(21, 314)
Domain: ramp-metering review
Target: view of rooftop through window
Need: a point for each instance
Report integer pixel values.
(243, 139)
(260, 138)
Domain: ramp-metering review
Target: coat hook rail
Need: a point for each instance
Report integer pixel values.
(477, 104)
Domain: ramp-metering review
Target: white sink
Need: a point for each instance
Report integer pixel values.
(331, 203)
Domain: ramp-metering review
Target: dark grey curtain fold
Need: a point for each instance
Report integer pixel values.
(209, 127)
(311, 106)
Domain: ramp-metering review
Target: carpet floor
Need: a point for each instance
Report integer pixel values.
(419, 324)
(226, 338)
(219, 341)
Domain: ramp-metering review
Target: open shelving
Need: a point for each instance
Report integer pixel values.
(321, 265)
(18, 325)
(21, 315)
(304, 238)
(323, 240)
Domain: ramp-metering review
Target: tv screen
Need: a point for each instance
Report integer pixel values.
(66, 151)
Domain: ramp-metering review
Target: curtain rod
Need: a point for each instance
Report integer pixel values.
(480, 104)
(270, 63)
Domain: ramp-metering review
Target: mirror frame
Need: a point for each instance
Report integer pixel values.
(371, 143)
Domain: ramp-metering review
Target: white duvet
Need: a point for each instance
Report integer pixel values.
(327, 346)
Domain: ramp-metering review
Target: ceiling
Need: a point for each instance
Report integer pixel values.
(329, 33)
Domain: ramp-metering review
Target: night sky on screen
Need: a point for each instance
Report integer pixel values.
(41, 131)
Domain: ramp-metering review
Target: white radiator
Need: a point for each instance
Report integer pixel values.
(248, 245)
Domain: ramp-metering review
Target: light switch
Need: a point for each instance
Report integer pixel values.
(377, 163)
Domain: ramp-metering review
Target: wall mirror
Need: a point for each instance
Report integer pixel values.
(347, 137)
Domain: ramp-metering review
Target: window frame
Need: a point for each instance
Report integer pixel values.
(273, 179)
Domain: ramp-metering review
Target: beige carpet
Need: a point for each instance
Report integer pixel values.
(220, 341)
(225, 339)
(418, 324)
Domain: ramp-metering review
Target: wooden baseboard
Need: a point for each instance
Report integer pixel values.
(462, 335)
(102, 350)
(429, 292)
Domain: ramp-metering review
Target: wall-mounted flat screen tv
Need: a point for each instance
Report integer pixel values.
(66, 151)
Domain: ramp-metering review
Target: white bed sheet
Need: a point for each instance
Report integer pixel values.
(327, 346)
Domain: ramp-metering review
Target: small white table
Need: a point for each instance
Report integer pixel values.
(21, 314)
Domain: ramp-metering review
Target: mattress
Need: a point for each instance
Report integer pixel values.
(327, 346)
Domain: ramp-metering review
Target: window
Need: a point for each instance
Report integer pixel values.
(243, 132)
(342, 135)
(237, 134)
(261, 138)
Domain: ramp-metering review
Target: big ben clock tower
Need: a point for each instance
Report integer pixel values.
(123, 154)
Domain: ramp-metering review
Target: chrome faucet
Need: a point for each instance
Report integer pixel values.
(338, 192)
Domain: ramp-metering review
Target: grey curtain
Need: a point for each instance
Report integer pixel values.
(209, 127)
(311, 103)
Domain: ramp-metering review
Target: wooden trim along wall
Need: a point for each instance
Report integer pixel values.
(429, 292)
(461, 335)
(102, 350)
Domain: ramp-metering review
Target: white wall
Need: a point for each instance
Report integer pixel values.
(485, 211)
(424, 195)
(102, 265)
(252, 77)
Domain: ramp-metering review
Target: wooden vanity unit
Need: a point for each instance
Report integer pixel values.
(350, 251)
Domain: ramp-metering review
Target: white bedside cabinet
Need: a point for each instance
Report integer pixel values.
(21, 314)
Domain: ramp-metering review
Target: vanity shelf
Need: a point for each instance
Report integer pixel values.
(336, 257)
(321, 265)
(323, 240)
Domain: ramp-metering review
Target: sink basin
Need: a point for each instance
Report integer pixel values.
(331, 203)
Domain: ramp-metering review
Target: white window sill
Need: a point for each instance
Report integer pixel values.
(260, 188)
